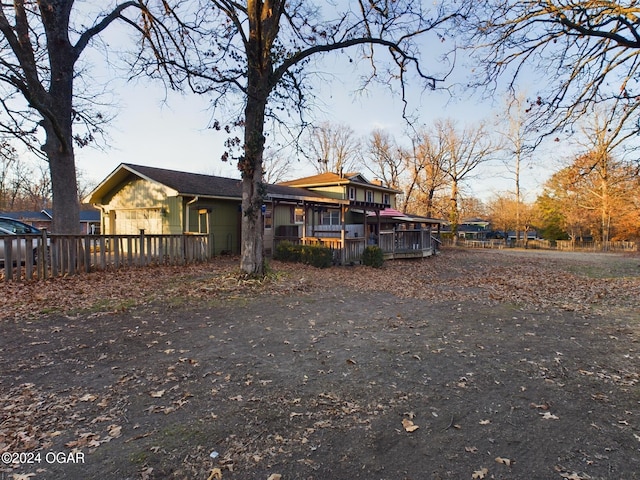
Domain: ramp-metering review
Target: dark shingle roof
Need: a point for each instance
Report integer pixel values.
(197, 184)
(191, 183)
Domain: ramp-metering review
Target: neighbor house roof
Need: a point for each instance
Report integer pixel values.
(28, 216)
(195, 184)
(87, 214)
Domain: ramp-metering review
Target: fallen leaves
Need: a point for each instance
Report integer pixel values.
(480, 474)
(549, 416)
(504, 461)
(216, 474)
(301, 421)
(114, 431)
(409, 426)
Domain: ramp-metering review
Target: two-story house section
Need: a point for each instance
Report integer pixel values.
(354, 219)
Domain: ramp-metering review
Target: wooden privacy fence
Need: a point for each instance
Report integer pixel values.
(28, 257)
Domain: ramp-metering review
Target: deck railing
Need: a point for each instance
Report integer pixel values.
(28, 257)
(394, 244)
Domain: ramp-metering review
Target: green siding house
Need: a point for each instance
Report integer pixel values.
(344, 212)
(162, 201)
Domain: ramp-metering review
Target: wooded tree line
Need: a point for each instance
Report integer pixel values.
(596, 195)
(252, 62)
(22, 186)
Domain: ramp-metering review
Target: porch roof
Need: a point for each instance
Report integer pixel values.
(398, 216)
(389, 213)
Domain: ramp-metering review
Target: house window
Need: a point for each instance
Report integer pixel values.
(203, 221)
(330, 217)
(268, 223)
(352, 193)
(298, 215)
(369, 196)
(386, 199)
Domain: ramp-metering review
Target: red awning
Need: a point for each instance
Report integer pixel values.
(387, 212)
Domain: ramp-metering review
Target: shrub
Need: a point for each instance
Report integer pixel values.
(315, 255)
(372, 257)
(287, 252)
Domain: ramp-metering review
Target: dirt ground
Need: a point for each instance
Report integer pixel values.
(475, 364)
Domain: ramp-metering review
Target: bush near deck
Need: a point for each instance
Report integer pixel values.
(315, 255)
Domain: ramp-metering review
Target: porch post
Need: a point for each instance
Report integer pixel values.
(343, 237)
(366, 228)
(305, 209)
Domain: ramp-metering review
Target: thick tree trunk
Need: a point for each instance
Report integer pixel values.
(264, 17)
(58, 147)
(252, 259)
(66, 208)
(253, 190)
(453, 211)
(56, 107)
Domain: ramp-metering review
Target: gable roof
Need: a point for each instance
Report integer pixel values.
(195, 184)
(190, 184)
(330, 178)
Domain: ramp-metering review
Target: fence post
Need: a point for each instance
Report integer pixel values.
(8, 258)
(45, 256)
(142, 260)
(87, 253)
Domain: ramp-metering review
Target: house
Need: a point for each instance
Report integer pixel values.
(162, 201)
(362, 196)
(344, 212)
(369, 217)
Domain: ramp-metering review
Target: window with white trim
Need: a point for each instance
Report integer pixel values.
(352, 193)
(330, 217)
(369, 196)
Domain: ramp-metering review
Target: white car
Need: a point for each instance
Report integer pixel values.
(10, 226)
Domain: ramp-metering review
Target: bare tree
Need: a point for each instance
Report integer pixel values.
(8, 158)
(467, 149)
(514, 137)
(425, 164)
(40, 52)
(260, 52)
(276, 167)
(333, 148)
(383, 159)
(35, 188)
(583, 52)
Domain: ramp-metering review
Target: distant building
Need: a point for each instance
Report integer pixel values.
(43, 219)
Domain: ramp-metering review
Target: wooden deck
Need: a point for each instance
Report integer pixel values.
(399, 244)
